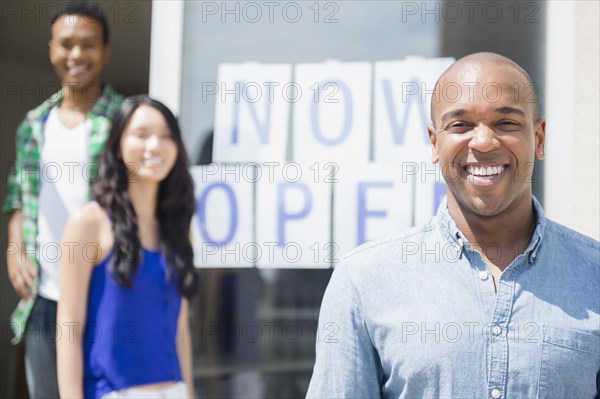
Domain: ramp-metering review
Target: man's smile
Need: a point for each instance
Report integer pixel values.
(485, 174)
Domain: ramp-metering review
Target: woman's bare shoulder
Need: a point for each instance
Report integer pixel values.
(89, 216)
(90, 225)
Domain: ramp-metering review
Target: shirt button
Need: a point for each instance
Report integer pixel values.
(496, 393)
(483, 276)
(497, 331)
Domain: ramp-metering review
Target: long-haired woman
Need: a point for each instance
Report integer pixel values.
(126, 271)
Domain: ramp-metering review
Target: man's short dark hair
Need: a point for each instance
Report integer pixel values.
(85, 9)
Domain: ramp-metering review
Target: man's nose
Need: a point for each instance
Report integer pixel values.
(76, 51)
(484, 139)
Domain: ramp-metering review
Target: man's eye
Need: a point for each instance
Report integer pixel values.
(458, 127)
(508, 125)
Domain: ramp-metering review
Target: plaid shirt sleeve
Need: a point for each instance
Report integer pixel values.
(13, 200)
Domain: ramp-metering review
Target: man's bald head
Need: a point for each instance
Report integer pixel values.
(486, 58)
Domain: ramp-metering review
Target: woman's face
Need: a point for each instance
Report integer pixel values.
(148, 148)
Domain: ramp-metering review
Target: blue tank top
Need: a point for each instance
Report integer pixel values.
(130, 336)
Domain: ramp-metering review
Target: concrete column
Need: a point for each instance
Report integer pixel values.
(572, 170)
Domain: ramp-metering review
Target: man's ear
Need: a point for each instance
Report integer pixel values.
(433, 139)
(540, 138)
(50, 50)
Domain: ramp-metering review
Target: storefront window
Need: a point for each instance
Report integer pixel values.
(254, 329)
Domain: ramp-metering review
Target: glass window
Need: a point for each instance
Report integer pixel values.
(254, 330)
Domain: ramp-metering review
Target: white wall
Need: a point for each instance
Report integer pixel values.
(572, 174)
(586, 132)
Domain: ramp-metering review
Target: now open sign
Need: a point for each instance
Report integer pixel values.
(315, 159)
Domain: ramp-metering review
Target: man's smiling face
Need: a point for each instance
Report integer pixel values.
(77, 51)
(485, 136)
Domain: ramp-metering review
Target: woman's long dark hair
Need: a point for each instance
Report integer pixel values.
(174, 208)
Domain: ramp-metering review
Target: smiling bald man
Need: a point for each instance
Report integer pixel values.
(498, 301)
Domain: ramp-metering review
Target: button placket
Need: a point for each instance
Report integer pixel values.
(498, 335)
(484, 282)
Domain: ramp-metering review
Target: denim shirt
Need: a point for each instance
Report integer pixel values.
(417, 316)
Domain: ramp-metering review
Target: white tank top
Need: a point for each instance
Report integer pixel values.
(64, 188)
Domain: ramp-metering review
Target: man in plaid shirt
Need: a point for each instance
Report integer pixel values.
(58, 146)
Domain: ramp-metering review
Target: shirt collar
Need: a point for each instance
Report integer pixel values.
(100, 107)
(454, 235)
(109, 95)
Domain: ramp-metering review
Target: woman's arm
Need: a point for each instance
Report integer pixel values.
(184, 347)
(76, 267)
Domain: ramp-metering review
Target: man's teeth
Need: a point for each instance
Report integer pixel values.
(484, 171)
(77, 70)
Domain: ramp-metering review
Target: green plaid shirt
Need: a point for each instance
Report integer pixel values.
(24, 183)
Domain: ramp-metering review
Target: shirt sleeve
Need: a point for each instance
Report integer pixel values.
(13, 200)
(347, 364)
